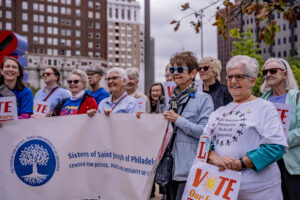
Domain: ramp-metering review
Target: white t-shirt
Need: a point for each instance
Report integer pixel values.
(245, 128)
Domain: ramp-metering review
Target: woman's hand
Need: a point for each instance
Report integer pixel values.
(138, 114)
(223, 163)
(91, 112)
(49, 114)
(107, 112)
(171, 115)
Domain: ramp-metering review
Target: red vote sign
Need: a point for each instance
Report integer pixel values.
(8, 108)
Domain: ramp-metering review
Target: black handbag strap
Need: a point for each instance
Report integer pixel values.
(170, 147)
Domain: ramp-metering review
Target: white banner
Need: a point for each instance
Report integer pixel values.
(77, 157)
(284, 112)
(205, 181)
(170, 85)
(8, 108)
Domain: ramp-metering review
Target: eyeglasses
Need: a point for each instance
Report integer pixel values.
(180, 69)
(272, 71)
(237, 77)
(46, 74)
(73, 81)
(112, 78)
(205, 68)
(90, 74)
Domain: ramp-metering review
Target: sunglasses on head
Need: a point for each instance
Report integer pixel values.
(45, 74)
(73, 81)
(180, 69)
(272, 71)
(205, 68)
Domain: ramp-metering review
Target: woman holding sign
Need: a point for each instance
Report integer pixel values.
(188, 111)
(12, 84)
(247, 134)
(79, 102)
(280, 86)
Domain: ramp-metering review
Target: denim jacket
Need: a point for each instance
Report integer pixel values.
(190, 126)
(292, 157)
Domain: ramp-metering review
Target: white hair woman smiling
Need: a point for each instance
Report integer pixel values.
(280, 86)
(250, 137)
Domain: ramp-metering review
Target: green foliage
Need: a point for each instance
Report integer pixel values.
(246, 45)
(295, 65)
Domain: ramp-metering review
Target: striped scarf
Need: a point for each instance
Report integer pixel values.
(177, 96)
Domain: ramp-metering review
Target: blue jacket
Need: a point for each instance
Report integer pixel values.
(292, 157)
(190, 126)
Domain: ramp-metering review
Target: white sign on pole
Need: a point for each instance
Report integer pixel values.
(205, 181)
(203, 148)
(141, 104)
(41, 108)
(77, 157)
(284, 112)
(8, 108)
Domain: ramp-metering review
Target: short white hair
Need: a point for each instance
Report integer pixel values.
(82, 74)
(122, 73)
(133, 71)
(290, 82)
(249, 65)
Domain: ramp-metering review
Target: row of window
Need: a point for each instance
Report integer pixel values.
(63, 52)
(279, 54)
(284, 40)
(125, 14)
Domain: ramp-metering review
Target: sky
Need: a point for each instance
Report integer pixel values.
(168, 42)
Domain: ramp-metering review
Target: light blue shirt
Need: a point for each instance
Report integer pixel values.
(126, 105)
(54, 98)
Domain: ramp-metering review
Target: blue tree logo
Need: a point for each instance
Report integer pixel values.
(35, 162)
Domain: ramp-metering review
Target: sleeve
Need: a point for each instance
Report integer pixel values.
(265, 155)
(91, 103)
(294, 134)
(101, 107)
(204, 108)
(66, 94)
(272, 131)
(132, 106)
(104, 95)
(26, 101)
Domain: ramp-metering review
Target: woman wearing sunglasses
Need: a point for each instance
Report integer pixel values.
(12, 84)
(247, 134)
(51, 92)
(279, 86)
(79, 102)
(188, 111)
(209, 71)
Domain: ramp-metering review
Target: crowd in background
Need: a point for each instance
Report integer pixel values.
(256, 145)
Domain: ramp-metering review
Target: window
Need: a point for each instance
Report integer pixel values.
(128, 15)
(123, 14)
(49, 19)
(49, 30)
(55, 30)
(284, 40)
(41, 18)
(49, 9)
(25, 27)
(97, 35)
(55, 41)
(63, 31)
(97, 4)
(8, 15)
(55, 20)
(63, 10)
(35, 28)
(41, 29)
(68, 32)
(68, 43)
(41, 40)
(24, 5)
(49, 41)
(35, 18)
(24, 16)
(90, 4)
(97, 25)
(90, 45)
(90, 34)
(49, 52)
(90, 14)
(35, 6)
(279, 54)
(0, 25)
(116, 13)
(90, 24)
(110, 12)
(63, 42)
(90, 54)
(68, 11)
(77, 22)
(1, 13)
(77, 2)
(284, 27)
(55, 9)
(62, 52)
(77, 33)
(278, 41)
(97, 15)
(77, 53)
(77, 12)
(97, 55)
(69, 2)
(68, 53)
(97, 45)
(8, 3)
(42, 7)
(77, 42)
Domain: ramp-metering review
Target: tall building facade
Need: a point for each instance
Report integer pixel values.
(66, 34)
(286, 40)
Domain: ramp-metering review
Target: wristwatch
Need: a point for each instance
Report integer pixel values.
(242, 163)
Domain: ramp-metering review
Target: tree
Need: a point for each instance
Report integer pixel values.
(34, 155)
(246, 45)
(261, 9)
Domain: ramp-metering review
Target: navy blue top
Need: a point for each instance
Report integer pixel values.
(99, 94)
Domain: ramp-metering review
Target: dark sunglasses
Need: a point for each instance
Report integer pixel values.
(112, 78)
(180, 69)
(237, 77)
(272, 71)
(205, 68)
(46, 74)
(73, 81)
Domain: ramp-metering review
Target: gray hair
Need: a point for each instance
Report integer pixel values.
(290, 82)
(133, 72)
(96, 69)
(82, 74)
(215, 65)
(122, 73)
(249, 65)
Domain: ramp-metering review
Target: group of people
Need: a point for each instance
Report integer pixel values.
(247, 133)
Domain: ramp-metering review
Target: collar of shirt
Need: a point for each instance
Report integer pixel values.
(44, 89)
(77, 96)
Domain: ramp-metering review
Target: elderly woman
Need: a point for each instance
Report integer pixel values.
(119, 101)
(279, 86)
(51, 92)
(132, 84)
(247, 134)
(188, 111)
(209, 71)
(12, 84)
(79, 102)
